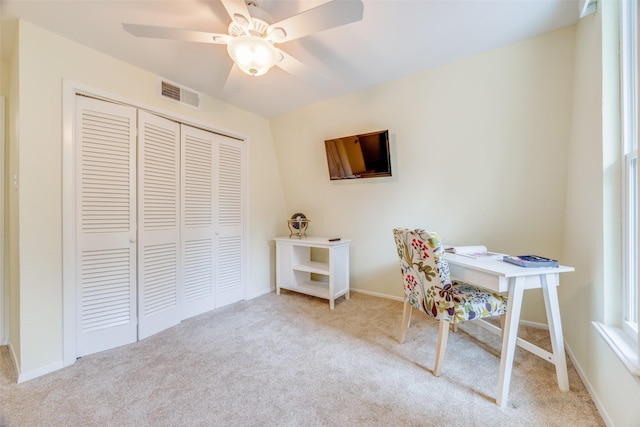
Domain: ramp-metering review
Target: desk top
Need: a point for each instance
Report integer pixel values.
(501, 268)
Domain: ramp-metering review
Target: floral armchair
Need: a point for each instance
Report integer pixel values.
(428, 287)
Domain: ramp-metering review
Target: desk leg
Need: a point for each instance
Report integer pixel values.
(550, 292)
(509, 337)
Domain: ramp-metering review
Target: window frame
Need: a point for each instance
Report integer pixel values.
(623, 336)
(629, 134)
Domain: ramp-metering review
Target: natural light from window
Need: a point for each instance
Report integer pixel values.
(622, 333)
(629, 92)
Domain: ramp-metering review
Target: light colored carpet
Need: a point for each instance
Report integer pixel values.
(288, 360)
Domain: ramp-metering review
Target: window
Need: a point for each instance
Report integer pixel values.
(629, 122)
(622, 334)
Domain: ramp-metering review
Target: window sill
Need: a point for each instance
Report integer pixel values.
(622, 345)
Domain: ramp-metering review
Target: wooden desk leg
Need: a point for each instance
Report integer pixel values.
(509, 337)
(550, 292)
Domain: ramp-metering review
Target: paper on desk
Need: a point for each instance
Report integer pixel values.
(476, 252)
(462, 250)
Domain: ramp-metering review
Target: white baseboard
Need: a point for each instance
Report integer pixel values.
(261, 292)
(585, 380)
(26, 376)
(376, 294)
(534, 324)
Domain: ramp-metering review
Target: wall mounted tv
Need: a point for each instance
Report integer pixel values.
(359, 156)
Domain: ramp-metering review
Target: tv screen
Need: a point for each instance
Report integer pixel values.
(359, 156)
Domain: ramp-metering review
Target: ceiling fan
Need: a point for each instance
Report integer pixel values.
(251, 39)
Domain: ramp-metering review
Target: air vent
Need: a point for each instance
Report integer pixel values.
(180, 94)
(587, 7)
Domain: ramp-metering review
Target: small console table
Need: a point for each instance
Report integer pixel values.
(296, 269)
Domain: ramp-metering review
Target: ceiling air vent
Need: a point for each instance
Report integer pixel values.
(180, 94)
(586, 7)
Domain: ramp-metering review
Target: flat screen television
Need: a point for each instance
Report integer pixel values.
(359, 156)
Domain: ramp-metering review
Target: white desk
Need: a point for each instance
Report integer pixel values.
(500, 276)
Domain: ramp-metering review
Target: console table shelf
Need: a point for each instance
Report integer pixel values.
(296, 270)
(313, 267)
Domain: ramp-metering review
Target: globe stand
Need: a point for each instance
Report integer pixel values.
(298, 225)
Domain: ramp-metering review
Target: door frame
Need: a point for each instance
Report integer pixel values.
(70, 89)
(4, 288)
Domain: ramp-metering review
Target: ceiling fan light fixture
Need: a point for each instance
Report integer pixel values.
(252, 54)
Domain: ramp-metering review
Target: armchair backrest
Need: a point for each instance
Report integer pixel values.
(424, 268)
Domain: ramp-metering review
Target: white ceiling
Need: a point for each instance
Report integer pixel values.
(395, 38)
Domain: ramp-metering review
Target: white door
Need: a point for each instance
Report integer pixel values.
(213, 218)
(159, 228)
(198, 148)
(105, 208)
(229, 230)
(159, 270)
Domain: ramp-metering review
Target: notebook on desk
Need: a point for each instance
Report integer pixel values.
(531, 261)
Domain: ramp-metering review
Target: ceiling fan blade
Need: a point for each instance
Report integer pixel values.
(297, 69)
(235, 79)
(328, 15)
(238, 11)
(152, 31)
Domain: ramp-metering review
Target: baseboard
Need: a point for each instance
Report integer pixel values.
(534, 324)
(261, 292)
(22, 377)
(376, 294)
(585, 380)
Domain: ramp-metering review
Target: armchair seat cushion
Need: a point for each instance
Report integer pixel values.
(458, 302)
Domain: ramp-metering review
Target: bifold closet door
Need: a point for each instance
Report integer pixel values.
(159, 223)
(230, 220)
(159, 271)
(198, 243)
(212, 232)
(105, 256)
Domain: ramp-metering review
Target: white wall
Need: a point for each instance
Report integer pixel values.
(478, 147)
(44, 60)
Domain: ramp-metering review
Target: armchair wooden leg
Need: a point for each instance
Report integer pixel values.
(406, 320)
(443, 334)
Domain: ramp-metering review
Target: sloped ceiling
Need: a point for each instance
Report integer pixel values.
(395, 38)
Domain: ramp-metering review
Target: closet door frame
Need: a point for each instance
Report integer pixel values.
(70, 89)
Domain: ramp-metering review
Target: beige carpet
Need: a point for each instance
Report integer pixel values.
(288, 360)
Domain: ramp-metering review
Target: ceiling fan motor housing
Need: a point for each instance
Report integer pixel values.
(253, 54)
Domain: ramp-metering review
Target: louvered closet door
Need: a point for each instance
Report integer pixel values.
(198, 148)
(212, 189)
(230, 280)
(105, 225)
(158, 224)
